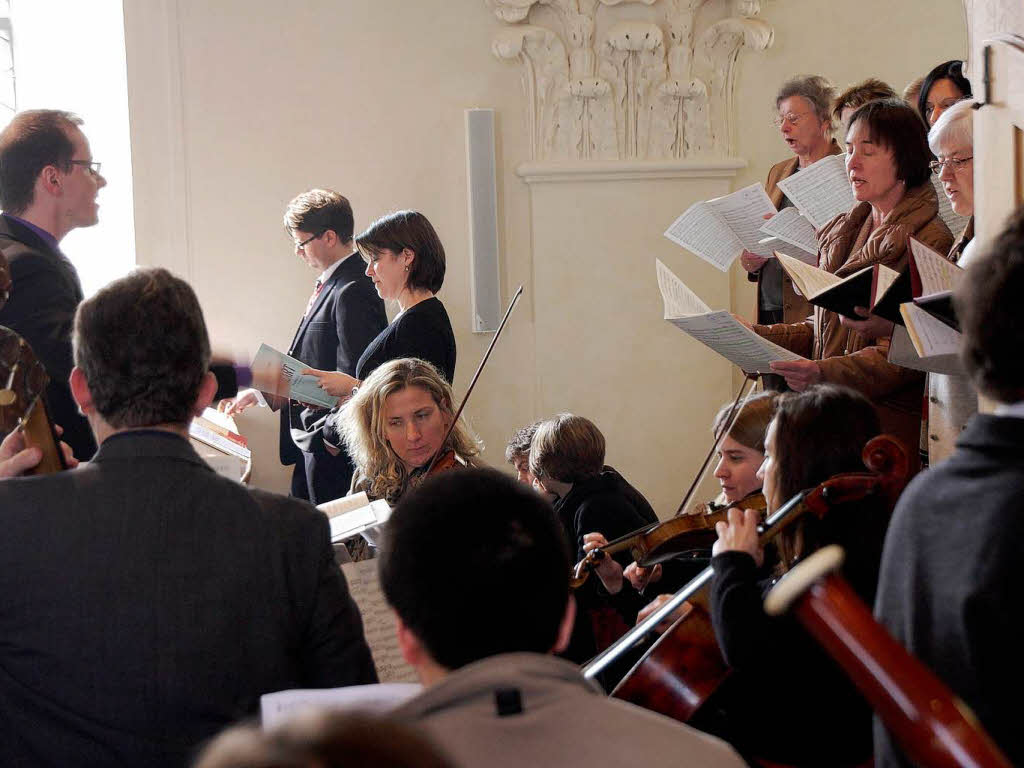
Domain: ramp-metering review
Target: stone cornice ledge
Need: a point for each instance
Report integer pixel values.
(545, 172)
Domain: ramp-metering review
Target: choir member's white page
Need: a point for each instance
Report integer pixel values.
(790, 226)
(355, 514)
(781, 246)
(744, 212)
(381, 698)
(703, 232)
(950, 218)
(938, 274)
(275, 373)
(902, 352)
(378, 622)
(821, 190)
(810, 280)
(718, 330)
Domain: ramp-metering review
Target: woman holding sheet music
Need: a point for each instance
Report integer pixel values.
(804, 121)
(887, 164)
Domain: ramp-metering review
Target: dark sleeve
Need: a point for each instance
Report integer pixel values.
(745, 633)
(426, 340)
(359, 316)
(607, 514)
(333, 649)
(44, 312)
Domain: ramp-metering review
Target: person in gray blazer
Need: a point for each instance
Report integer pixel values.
(146, 602)
(480, 625)
(343, 315)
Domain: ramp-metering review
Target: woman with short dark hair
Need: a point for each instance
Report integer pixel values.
(888, 166)
(405, 259)
(943, 87)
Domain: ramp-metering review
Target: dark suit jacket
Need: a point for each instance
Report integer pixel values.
(146, 603)
(346, 316)
(949, 588)
(41, 309)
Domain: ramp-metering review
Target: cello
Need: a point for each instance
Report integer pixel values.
(681, 670)
(931, 725)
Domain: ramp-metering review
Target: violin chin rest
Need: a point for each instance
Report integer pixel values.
(801, 578)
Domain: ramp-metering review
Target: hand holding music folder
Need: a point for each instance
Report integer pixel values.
(864, 288)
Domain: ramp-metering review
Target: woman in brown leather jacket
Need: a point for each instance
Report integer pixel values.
(887, 162)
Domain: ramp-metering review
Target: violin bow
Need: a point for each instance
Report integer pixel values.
(726, 426)
(472, 382)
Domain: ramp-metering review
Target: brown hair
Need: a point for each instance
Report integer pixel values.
(860, 94)
(324, 739)
(751, 423)
(33, 140)
(567, 448)
(893, 124)
(412, 230)
(139, 377)
(519, 444)
(318, 210)
(818, 433)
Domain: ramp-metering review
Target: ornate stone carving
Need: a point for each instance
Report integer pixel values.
(650, 89)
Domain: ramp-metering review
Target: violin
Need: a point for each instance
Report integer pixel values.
(678, 536)
(931, 725)
(681, 670)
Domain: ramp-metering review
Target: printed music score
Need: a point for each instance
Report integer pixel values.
(789, 226)
(280, 376)
(719, 330)
(821, 191)
(925, 344)
(277, 708)
(720, 229)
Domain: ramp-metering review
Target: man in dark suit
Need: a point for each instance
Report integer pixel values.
(48, 187)
(145, 601)
(343, 315)
(949, 588)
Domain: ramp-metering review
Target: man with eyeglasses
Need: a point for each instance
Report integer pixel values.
(48, 187)
(343, 315)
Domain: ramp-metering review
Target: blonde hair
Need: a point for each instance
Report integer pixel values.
(567, 448)
(362, 424)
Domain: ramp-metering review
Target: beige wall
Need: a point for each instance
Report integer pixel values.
(238, 105)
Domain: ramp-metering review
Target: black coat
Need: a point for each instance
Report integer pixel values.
(45, 293)
(155, 608)
(950, 587)
(345, 317)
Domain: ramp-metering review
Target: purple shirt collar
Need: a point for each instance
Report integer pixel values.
(46, 236)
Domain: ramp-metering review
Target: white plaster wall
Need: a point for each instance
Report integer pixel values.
(237, 105)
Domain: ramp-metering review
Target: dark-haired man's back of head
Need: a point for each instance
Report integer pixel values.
(475, 565)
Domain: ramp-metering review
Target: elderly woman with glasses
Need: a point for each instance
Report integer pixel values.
(952, 399)
(805, 123)
(887, 163)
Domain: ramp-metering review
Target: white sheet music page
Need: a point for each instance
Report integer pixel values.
(938, 274)
(719, 330)
(744, 212)
(790, 226)
(821, 190)
(704, 233)
(925, 344)
(950, 218)
(380, 698)
(378, 622)
(781, 246)
(810, 280)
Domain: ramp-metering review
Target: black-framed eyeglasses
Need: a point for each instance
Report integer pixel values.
(955, 163)
(309, 240)
(90, 165)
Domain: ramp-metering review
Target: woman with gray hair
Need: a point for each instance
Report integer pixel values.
(804, 104)
(952, 398)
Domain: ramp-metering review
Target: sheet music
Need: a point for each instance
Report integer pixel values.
(886, 277)
(378, 622)
(950, 218)
(718, 330)
(679, 300)
(821, 190)
(380, 698)
(275, 373)
(702, 232)
(810, 280)
(937, 273)
(780, 246)
(354, 514)
(903, 353)
(930, 335)
(791, 227)
(744, 211)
